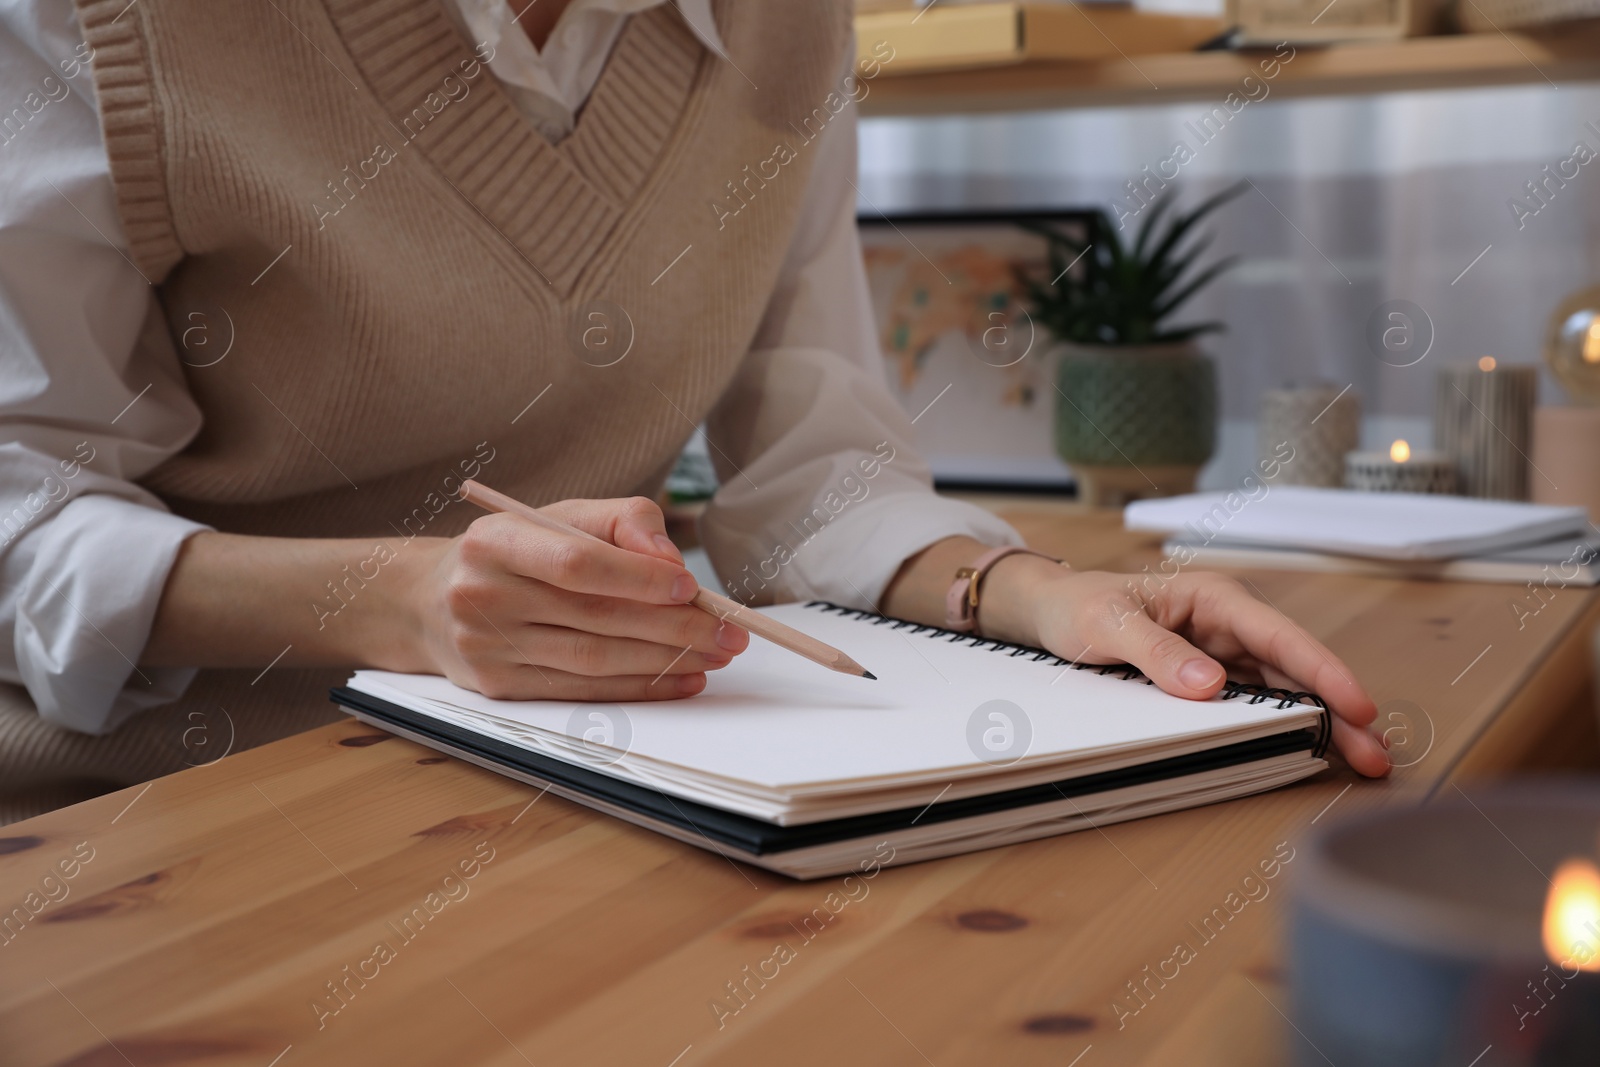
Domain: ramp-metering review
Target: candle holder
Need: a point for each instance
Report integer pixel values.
(1482, 418)
(1422, 936)
(1400, 470)
(1320, 422)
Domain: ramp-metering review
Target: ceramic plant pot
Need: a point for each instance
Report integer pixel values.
(1135, 420)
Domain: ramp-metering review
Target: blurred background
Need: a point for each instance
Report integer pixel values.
(1123, 250)
(1373, 197)
(1430, 157)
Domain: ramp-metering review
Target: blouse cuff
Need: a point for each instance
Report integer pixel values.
(852, 559)
(86, 607)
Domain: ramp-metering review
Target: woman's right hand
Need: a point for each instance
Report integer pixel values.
(518, 612)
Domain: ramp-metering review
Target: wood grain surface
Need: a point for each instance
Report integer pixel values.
(346, 897)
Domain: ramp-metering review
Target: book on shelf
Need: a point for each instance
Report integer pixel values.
(956, 36)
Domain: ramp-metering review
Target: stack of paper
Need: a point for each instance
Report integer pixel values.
(1392, 526)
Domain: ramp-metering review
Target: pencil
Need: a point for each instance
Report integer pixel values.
(704, 599)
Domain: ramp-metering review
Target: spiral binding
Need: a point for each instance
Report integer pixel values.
(1258, 694)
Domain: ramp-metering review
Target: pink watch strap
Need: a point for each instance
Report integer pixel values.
(961, 602)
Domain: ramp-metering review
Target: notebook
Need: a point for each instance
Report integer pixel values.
(1406, 526)
(1563, 561)
(962, 743)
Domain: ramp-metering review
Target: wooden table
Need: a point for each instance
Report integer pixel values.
(223, 905)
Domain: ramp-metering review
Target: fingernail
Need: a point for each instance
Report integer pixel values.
(684, 587)
(1198, 673)
(728, 638)
(714, 660)
(664, 543)
(690, 684)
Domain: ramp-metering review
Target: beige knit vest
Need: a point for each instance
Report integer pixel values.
(440, 261)
(338, 195)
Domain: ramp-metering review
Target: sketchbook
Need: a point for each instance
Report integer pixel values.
(963, 743)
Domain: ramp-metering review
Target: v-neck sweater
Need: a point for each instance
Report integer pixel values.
(404, 263)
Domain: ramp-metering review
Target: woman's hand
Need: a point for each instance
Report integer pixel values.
(1179, 635)
(517, 612)
(1176, 633)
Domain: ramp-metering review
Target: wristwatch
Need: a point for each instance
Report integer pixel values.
(961, 602)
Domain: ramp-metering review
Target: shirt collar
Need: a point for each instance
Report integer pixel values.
(697, 13)
(486, 15)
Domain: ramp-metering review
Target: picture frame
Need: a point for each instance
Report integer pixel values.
(962, 355)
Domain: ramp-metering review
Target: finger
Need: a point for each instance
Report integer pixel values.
(1276, 641)
(512, 600)
(677, 626)
(1365, 753)
(524, 682)
(593, 655)
(1165, 657)
(634, 523)
(577, 564)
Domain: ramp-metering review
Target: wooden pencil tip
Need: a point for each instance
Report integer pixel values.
(868, 675)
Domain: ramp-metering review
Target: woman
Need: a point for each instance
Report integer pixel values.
(288, 272)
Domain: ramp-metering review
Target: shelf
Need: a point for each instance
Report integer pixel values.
(1564, 54)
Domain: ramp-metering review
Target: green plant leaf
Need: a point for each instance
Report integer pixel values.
(1182, 224)
(1172, 304)
(1165, 199)
(1130, 282)
(1169, 273)
(1185, 333)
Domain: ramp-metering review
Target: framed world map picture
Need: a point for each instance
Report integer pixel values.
(963, 355)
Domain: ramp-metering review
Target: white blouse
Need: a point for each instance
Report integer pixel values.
(85, 551)
(549, 87)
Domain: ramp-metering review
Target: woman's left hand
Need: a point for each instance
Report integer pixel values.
(1180, 635)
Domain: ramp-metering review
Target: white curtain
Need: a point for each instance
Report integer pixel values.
(1357, 201)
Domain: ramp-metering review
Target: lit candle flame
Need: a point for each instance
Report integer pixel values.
(1400, 451)
(1486, 363)
(1572, 916)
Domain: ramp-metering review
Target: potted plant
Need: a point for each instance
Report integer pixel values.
(1136, 404)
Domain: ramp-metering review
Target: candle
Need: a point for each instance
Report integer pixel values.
(1322, 423)
(1482, 419)
(1424, 935)
(1401, 470)
(1571, 928)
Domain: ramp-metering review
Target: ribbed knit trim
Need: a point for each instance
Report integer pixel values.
(637, 103)
(556, 205)
(128, 121)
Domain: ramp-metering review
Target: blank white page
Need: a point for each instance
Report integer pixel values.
(1383, 525)
(782, 723)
